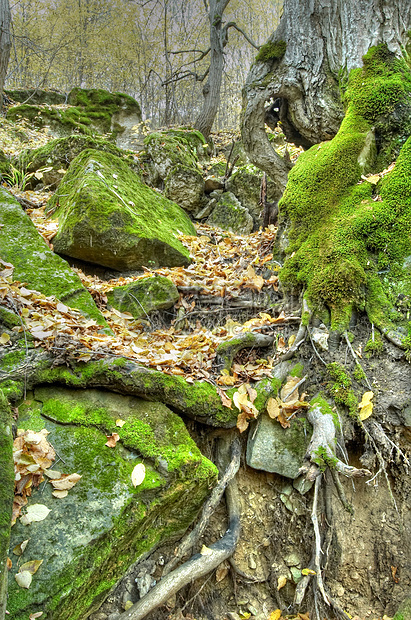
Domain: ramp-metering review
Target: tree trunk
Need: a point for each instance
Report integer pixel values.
(5, 44)
(212, 87)
(303, 66)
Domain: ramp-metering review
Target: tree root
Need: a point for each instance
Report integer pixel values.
(209, 507)
(199, 565)
(321, 449)
(227, 351)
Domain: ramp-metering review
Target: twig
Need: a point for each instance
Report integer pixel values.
(315, 348)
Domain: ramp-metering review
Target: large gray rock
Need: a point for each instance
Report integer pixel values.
(276, 449)
(36, 264)
(185, 186)
(105, 524)
(229, 214)
(246, 187)
(109, 217)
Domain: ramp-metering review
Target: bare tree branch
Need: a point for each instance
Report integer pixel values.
(245, 35)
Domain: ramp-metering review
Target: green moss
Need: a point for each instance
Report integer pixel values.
(323, 460)
(359, 374)
(143, 296)
(340, 237)
(271, 51)
(374, 348)
(340, 388)
(298, 370)
(326, 409)
(130, 225)
(6, 491)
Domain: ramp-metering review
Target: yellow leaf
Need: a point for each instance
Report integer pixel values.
(206, 550)
(4, 338)
(365, 412)
(138, 474)
(281, 581)
(120, 423)
(275, 615)
(308, 571)
(366, 406)
(60, 494)
(31, 566)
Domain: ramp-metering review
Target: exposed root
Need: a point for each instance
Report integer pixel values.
(209, 507)
(227, 351)
(318, 552)
(199, 565)
(341, 493)
(356, 360)
(321, 449)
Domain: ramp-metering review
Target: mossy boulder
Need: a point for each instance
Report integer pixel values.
(89, 112)
(246, 187)
(34, 262)
(229, 214)
(143, 296)
(166, 149)
(6, 493)
(37, 96)
(185, 186)
(54, 158)
(109, 217)
(105, 524)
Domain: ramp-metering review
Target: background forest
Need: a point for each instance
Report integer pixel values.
(140, 47)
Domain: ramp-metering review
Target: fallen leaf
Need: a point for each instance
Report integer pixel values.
(281, 581)
(273, 407)
(9, 564)
(275, 615)
(394, 574)
(24, 579)
(19, 549)
(308, 571)
(35, 615)
(366, 406)
(53, 474)
(206, 550)
(66, 482)
(242, 422)
(60, 494)
(221, 572)
(31, 566)
(112, 440)
(120, 423)
(36, 512)
(4, 338)
(138, 474)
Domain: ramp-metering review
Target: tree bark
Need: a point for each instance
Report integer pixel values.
(5, 44)
(324, 40)
(212, 88)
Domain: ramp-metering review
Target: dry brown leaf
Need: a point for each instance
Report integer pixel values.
(112, 440)
(60, 494)
(242, 422)
(274, 407)
(65, 482)
(221, 572)
(32, 566)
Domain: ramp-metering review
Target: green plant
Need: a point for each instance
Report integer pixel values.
(17, 178)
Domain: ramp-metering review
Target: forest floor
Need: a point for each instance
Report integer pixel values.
(277, 532)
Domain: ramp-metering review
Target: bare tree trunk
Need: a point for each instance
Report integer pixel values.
(212, 87)
(303, 66)
(5, 44)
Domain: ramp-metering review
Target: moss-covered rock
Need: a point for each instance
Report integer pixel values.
(343, 235)
(143, 296)
(90, 111)
(35, 264)
(6, 494)
(166, 149)
(37, 96)
(109, 217)
(54, 158)
(104, 525)
(185, 186)
(229, 214)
